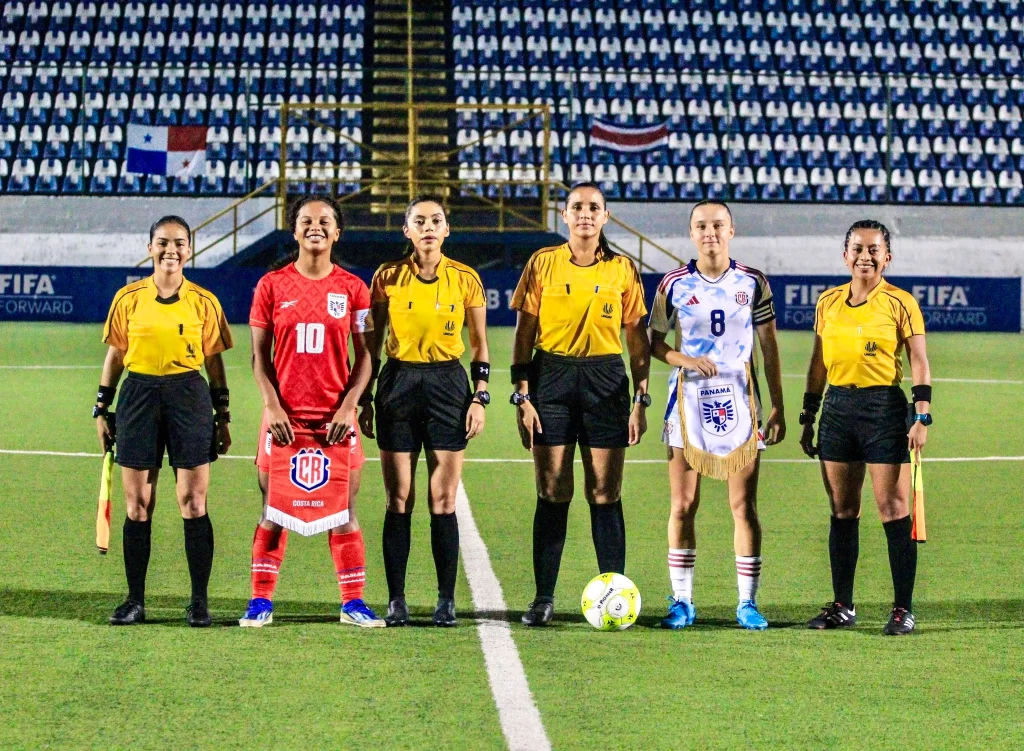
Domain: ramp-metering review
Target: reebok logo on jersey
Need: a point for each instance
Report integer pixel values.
(693, 301)
(289, 304)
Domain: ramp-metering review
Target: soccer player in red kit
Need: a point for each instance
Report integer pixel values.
(301, 319)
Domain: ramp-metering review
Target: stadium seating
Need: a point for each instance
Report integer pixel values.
(74, 74)
(852, 100)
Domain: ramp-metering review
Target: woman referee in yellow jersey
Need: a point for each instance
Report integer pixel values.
(162, 330)
(861, 330)
(573, 300)
(423, 398)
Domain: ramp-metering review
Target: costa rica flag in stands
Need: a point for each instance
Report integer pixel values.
(627, 137)
(169, 150)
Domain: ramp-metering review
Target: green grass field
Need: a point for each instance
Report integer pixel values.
(67, 680)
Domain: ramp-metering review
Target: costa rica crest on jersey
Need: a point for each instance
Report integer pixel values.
(718, 410)
(311, 469)
(742, 298)
(337, 304)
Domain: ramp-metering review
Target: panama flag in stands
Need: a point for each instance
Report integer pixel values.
(628, 138)
(169, 150)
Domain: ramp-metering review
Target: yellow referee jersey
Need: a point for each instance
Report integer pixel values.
(863, 344)
(580, 309)
(426, 317)
(166, 336)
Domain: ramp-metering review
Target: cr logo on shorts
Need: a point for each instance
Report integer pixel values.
(337, 304)
(310, 469)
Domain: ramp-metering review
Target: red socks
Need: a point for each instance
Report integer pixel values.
(268, 548)
(349, 556)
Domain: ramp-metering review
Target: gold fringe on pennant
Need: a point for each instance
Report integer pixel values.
(712, 465)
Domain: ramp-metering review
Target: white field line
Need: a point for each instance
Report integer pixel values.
(517, 713)
(524, 460)
(983, 381)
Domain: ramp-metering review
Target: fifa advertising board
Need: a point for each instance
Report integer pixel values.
(83, 295)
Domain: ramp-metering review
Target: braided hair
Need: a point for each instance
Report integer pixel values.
(292, 217)
(869, 224)
(604, 248)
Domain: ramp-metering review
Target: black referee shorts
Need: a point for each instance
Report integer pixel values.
(422, 405)
(864, 425)
(172, 412)
(581, 400)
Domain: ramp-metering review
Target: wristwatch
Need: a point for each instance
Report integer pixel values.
(925, 419)
(644, 399)
(518, 398)
(806, 418)
(483, 398)
(98, 411)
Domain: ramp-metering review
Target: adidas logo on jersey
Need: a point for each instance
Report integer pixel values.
(693, 301)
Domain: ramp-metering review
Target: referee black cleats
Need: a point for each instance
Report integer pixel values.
(444, 613)
(197, 615)
(538, 613)
(834, 615)
(398, 613)
(901, 623)
(128, 613)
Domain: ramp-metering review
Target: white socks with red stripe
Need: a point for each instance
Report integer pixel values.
(680, 572)
(748, 575)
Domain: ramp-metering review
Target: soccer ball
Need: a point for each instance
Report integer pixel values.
(611, 602)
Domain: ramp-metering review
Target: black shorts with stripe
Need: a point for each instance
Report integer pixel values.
(581, 400)
(422, 405)
(158, 413)
(864, 425)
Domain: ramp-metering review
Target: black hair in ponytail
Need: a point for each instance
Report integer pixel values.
(868, 224)
(422, 198)
(170, 219)
(292, 217)
(604, 248)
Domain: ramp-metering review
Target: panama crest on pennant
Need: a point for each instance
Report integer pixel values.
(311, 469)
(718, 409)
(337, 304)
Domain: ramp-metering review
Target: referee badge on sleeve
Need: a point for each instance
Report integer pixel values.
(337, 304)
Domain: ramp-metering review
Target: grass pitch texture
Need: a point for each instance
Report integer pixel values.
(67, 680)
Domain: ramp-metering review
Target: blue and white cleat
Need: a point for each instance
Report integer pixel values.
(260, 613)
(749, 617)
(681, 614)
(357, 613)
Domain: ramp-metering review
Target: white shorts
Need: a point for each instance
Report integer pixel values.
(672, 435)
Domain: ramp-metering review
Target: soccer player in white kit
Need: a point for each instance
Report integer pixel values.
(715, 305)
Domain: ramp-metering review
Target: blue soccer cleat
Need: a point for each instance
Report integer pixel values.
(357, 613)
(681, 614)
(749, 617)
(260, 613)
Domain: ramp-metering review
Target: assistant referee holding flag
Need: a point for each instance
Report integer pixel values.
(573, 301)
(162, 330)
(861, 330)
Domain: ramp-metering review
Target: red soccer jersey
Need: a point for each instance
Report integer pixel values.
(311, 320)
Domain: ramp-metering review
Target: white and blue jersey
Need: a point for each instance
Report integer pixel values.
(713, 318)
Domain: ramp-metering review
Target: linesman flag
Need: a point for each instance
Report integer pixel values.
(103, 503)
(169, 150)
(918, 530)
(628, 138)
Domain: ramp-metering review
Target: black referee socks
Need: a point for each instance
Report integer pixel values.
(444, 543)
(609, 531)
(135, 542)
(549, 523)
(902, 561)
(199, 553)
(397, 541)
(843, 550)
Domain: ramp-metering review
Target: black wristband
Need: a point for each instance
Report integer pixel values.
(812, 402)
(220, 397)
(520, 372)
(922, 393)
(479, 371)
(366, 397)
(105, 394)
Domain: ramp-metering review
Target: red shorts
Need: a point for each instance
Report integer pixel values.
(356, 460)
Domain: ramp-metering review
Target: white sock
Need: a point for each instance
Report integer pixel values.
(748, 575)
(680, 572)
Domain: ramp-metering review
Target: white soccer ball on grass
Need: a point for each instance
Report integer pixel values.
(611, 602)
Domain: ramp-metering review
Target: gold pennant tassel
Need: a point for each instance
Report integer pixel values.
(712, 465)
